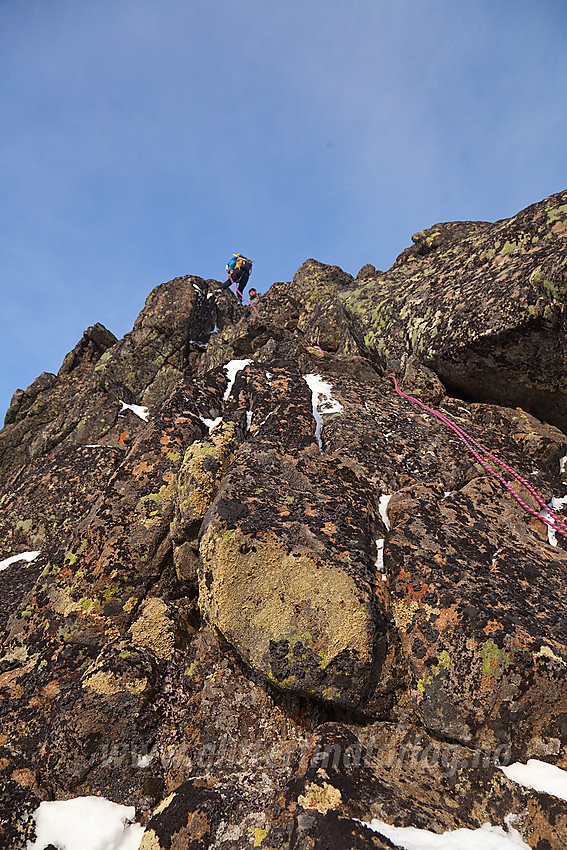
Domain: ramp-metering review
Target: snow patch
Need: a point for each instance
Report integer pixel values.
(486, 838)
(249, 415)
(321, 401)
(558, 502)
(380, 554)
(539, 775)
(232, 369)
(380, 558)
(139, 409)
(210, 423)
(562, 464)
(383, 510)
(86, 823)
(24, 556)
(494, 557)
(555, 505)
(551, 533)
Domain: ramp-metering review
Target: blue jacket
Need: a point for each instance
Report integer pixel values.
(237, 263)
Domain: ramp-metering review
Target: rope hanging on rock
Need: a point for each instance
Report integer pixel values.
(314, 345)
(551, 519)
(243, 296)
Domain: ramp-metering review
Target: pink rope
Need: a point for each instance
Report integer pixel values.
(552, 520)
(313, 345)
(243, 296)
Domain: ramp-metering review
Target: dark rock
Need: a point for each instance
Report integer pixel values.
(481, 304)
(366, 272)
(189, 818)
(83, 403)
(95, 341)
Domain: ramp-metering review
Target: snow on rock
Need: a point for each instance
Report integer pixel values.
(551, 533)
(86, 823)
(555, 505)
(486, 838)
(24, 556)
(383, 509)
(140, 410)
(232, 369)
(380, 558)
(322, 402)
(539, 775)
(211, 423)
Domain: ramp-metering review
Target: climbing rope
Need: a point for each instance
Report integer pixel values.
(314, 345)
(243, 296)
(550, 518)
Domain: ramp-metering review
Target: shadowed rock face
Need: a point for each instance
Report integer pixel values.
(481, 304)
(274, 600)
(82, 403)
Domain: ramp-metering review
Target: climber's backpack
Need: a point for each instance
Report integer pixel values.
(237, 262)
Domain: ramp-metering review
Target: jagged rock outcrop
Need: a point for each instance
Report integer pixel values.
(481, 304)
(81, 404)
(274, 599)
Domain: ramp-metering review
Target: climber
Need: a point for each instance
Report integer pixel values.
(252, 293)
(238, 268)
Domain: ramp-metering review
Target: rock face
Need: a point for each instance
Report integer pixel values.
(481, 304)
(272, 599)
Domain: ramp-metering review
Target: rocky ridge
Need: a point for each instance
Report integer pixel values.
(274, 599)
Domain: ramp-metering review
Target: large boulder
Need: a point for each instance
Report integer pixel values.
(481, 304)
(287, 574)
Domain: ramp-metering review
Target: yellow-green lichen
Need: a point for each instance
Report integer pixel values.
(443, 663)
(494, 659)
(334, 623)
(71, 557)
(191, 669)
(154, 628)
(198, 479)
(557, 214)
(257, 835)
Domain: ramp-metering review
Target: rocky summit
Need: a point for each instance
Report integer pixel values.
(255, 593)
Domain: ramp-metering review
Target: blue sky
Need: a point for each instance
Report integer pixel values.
(145, 139)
